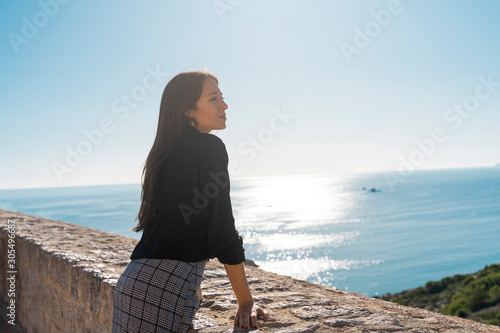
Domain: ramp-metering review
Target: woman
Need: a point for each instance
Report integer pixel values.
(185, 216)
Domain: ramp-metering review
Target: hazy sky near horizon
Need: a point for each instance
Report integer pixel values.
(313, 87)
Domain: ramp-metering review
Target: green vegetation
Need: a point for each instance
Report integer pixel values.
(474, 296)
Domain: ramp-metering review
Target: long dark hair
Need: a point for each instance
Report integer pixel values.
(180, 95)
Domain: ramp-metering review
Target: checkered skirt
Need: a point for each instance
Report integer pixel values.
(157, 295)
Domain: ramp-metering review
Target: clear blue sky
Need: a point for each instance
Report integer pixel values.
(359, 86)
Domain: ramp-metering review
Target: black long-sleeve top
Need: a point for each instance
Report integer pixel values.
(195, 219)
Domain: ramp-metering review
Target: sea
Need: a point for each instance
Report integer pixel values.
(369, 233)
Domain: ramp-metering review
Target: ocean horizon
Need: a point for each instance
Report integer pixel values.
(352, 231)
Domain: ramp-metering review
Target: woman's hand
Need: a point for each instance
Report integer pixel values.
(246, 316)
(248, 311)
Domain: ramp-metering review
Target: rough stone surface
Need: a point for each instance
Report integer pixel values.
(66, 275)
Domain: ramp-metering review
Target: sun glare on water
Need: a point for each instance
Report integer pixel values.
(285, 219)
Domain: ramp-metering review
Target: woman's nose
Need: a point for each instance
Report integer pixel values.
(224, 105)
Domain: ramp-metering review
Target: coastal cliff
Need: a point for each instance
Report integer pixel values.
(473, 296)
(62, 279)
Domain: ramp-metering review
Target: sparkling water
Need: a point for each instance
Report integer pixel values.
(331, 230)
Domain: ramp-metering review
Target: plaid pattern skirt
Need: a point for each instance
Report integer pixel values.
(157, 295)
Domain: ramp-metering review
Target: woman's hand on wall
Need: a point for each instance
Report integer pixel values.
(248, 311)
(246, 316)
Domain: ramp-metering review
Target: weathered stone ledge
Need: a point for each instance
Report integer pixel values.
(66, 274)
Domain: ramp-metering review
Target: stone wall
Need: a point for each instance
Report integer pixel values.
(64, 273)
(65, 276)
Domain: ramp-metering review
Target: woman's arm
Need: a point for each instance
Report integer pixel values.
(223, 240)
(247, 311)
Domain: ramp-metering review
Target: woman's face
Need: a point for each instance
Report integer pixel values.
(210, 110)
